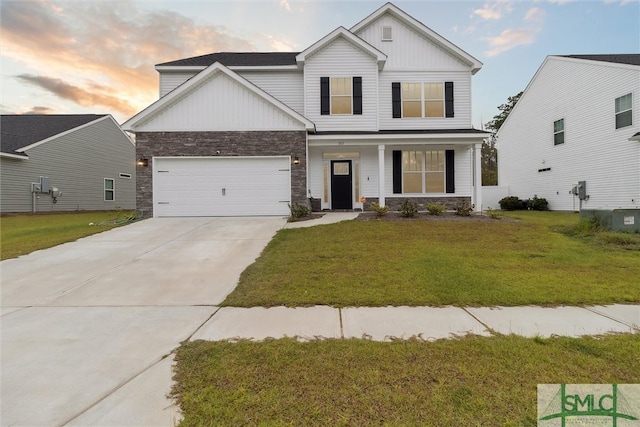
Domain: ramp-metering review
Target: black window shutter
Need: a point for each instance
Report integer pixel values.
(324, 96)
(397, 172)
(451, 176)
(448, 99)
(357, 95)
(396, 100)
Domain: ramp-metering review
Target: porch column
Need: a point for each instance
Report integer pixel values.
(477, 190)
(381, 200)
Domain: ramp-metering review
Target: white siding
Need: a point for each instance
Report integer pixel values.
(221, 104)
(409, 50)
(286, 86)
(461, 104)
(171, 80)
(77, 164)
(342, 59)
(583, 94)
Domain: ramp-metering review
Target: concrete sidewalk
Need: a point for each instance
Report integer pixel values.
(428, 323)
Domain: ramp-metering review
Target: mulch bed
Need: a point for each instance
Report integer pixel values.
(423, 216)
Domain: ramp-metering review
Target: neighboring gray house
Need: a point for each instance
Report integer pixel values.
(380, 112)
(87, 163)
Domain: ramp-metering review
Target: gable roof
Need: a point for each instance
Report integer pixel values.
(193, 83)
(422, 29)
(620, 58)
(236, 59)
(19, 131)
(342, 32)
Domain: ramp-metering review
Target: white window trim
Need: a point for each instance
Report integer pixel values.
(564, 140)
(424, 174)
(331, 96)
(105, 189)
(423, 100)
(615, 113)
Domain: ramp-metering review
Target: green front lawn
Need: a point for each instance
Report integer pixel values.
(463, 263)
(23, 234)
(462, 382)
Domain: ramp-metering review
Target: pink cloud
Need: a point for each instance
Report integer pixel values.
(509, 39)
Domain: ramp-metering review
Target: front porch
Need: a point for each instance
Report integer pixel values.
(350, 171)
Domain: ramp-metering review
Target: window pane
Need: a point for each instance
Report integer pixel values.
(411, 161)
(624, 119)
(435, 182)
(108, 184)
(434, 108)
(341, 86)
(341, 168)
(435, 161)
(108, 195)
(412, 182)
(558, 138)
(340, 105)
(411, 109)
(558, 125)
(411, 91)
(623, 103)
(433, 91)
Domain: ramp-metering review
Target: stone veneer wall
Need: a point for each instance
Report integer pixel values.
(255, 143)
(395, 202)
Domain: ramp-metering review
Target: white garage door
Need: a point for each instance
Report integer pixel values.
(221, 186)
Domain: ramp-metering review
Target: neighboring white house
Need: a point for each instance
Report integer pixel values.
(65, 163)
(381, 110)
(575, 123)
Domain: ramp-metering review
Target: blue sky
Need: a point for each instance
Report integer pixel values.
(69, 57)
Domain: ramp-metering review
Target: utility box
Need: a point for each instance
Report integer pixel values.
(44, 184)
(616, 219)
(582, 190)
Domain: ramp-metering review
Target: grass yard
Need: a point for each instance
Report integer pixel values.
(539, 259)
(467, 381)
(23, 234)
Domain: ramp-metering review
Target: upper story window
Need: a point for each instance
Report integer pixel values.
(340, 95)
(624, 112)
(387, 35)
(422, 99)
(558, 132)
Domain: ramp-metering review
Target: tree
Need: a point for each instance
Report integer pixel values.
(489, 150)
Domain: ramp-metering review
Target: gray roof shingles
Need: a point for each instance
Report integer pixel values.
(237, 59)
(620, 58)
(19, 130)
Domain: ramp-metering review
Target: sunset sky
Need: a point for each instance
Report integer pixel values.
(68, 57)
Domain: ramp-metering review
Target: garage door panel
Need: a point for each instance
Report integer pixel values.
(222, 186)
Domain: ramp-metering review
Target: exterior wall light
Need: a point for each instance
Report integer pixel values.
(296, 160)
(142, 162)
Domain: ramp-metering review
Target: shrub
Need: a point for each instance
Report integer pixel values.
(511, 203)
(493, 213)
(538, 204)
(464, 209)
(379, 210)
(299, 211)
(408, 209)
(435, 208)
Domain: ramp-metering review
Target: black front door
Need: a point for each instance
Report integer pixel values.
(341, 194)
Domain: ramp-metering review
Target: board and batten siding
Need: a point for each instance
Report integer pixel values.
(582, 93)
(408, 50)
(342, 59)
(77, 164)
(171, 80)
(221, 104)
(461, 100)
(286, 86)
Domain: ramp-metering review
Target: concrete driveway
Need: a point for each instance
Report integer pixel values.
(88, 327)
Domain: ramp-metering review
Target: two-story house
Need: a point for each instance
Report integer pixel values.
(381, 112)
(572, 138)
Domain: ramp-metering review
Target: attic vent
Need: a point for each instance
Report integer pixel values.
(386, 34)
